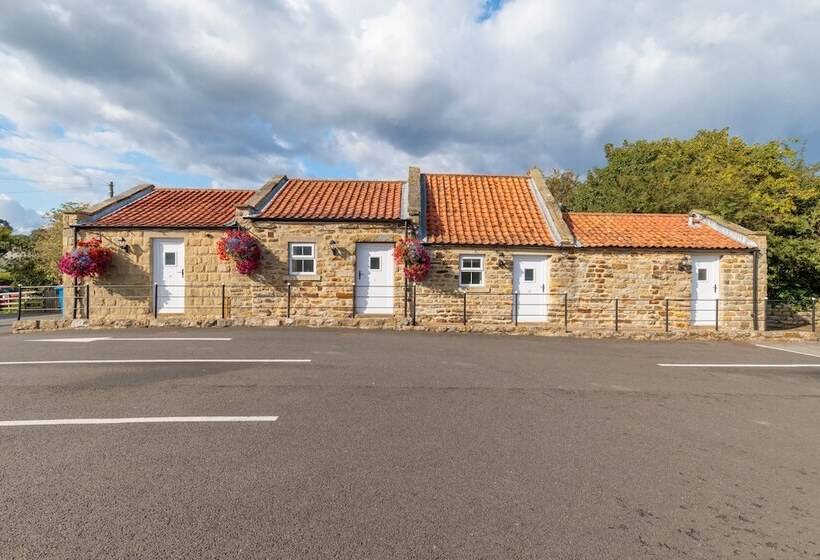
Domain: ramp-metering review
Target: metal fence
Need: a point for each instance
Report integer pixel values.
(417, 303)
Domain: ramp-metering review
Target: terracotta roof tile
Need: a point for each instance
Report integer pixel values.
(658, 231)
(320, 199)
(178, 207)
(483, 210)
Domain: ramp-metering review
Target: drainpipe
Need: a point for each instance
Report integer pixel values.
(755, 266)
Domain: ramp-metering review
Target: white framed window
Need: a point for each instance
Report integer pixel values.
(302, 259)
(471, 271)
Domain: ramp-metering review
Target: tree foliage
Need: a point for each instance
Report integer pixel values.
(31, 260)
(764, 187)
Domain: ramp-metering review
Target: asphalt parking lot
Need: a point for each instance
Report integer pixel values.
(313, 443)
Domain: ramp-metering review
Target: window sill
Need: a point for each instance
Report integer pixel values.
(300, 277)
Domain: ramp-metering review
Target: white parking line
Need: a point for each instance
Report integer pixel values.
(742, 365)
(130, 338)
(816, 355)
(144, 420)
(171, 361)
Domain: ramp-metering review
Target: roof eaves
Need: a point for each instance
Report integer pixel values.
(729, 229)
(257, 203)
(111, 205)
(404, 212)
(561, 231)
(542, 207)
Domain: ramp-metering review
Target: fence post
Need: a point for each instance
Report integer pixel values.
(19, 302)
(414, 303)
(616, 314)
(813, 314)
(464, 310)
(765, 312)
(566, 312)
(717, 314)
(288, 300)
(515, 309)
(223, 301)
(156, 299)
(666, 316)
(88, 301)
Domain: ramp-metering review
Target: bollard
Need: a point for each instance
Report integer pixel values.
(666, 321)
(717, 312)
(464, 310)
(616, 315)
(156, 300)
(223, 301)
(88, 301)
(19, 302)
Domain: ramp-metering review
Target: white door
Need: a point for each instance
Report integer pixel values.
(705, 288)
(169, 275)
(374, 278)
(531, 282)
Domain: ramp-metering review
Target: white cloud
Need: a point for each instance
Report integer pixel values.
(21, 219)
(239, 92)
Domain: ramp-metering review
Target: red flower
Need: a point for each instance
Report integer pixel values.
(89, 259)
(240, 247)
(415, 257)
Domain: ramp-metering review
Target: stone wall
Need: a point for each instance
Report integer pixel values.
(126, 291)
(583, 283)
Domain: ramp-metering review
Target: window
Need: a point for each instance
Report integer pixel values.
(302, 258)
(701, 274)
(472, 271)
(170, 259)
(529, 274)
(375, 263)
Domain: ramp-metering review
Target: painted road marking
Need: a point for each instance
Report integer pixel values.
(145, 420)
(130, 338)
(171, 361)
(789, 350)
(742, 365)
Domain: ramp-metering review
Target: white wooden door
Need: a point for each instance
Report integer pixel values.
(374, 278)
(169, 275)
(705, 288)
(531, 283)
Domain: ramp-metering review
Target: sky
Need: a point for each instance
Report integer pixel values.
(230, 93)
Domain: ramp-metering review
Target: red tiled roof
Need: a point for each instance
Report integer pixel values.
(652, 231)
(483, 210)
(351, 199)
(178, 207)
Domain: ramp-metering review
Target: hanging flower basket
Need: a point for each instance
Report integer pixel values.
(242, 248)
(414, 257)
(89, 260)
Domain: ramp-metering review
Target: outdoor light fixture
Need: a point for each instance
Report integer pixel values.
(685, 264)
(334, 249)
(502, 261)
(123, 244)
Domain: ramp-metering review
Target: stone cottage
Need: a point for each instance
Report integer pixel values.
(504, 254)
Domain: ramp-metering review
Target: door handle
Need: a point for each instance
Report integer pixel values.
(360, 275)
(182, 272)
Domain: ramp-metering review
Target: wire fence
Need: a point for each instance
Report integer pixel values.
(418, 304)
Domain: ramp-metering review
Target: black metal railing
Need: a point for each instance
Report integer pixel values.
(417, 303)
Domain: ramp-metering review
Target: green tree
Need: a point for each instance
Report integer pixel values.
(31, 260)
(760, 186)
(48, 240)
(562, 185)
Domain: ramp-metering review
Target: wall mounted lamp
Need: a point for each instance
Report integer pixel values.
(123, 244)
(334, 248)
